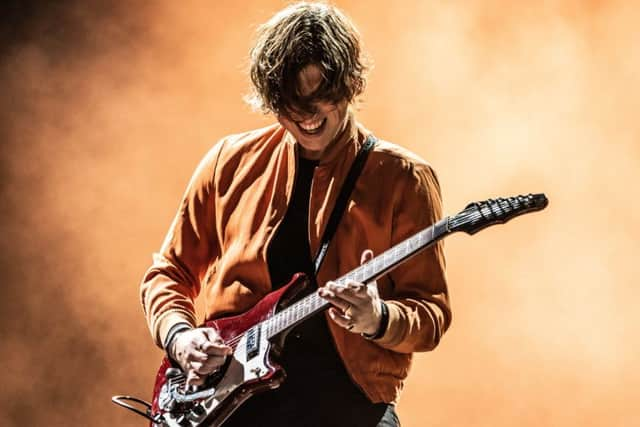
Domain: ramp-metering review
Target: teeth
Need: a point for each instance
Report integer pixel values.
(311, 126)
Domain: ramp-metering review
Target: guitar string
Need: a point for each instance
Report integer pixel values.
(235, 340)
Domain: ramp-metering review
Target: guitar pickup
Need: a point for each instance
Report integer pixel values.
(253, 342)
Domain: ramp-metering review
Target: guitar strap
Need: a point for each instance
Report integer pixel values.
(343, 199)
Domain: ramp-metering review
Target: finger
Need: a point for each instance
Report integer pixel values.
(356, 286)
(196, 355)
(196, 367)
(339, 318)
(332, 287)
(326, 292)
(348, 288)
(198, 339)
(212, 335)
(341, 289)
(346, 297)
(372, 289)
(209, 342)
(207, 367)
(338, 302)
(215, 349)
(213, 364)
(195, 379)
(367, 255)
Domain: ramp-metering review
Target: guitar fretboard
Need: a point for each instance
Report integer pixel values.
(366, 273)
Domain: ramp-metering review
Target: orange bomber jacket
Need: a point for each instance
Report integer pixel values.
(218, 241)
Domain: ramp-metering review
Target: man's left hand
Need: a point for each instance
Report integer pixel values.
(356, 306)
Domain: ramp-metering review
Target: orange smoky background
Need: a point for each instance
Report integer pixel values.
(106, 108)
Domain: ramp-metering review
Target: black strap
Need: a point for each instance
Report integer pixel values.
(343, 198)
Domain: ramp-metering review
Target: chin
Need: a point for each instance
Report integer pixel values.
(316, 147)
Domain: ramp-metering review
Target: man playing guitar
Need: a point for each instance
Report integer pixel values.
(254, 214)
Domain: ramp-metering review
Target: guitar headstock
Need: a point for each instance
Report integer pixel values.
(479, 215)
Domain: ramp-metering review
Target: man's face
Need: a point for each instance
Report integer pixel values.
(315, 132)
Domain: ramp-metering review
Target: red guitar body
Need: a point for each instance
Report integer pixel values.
(251, 369)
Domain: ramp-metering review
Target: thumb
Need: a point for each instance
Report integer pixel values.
(367, 255)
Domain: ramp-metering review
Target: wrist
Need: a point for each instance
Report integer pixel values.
(382, 326)
(170, 339)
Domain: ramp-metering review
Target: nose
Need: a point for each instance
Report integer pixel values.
(300, 115)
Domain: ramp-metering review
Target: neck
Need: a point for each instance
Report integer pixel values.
(309, 154)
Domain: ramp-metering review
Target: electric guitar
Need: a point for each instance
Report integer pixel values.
(257, 336)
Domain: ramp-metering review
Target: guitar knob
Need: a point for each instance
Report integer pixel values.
(172, 373)
(182, 420)
(197, 413)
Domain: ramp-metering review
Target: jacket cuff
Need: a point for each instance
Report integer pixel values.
(384, 323)
(169, 319)
(395, 327)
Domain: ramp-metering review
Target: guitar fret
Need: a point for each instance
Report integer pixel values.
(394, 251)
(404, 250)
(368, 271)
(307, 306)
(413, 243)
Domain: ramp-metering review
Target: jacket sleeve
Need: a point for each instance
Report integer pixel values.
(170, 286)
(419, 311)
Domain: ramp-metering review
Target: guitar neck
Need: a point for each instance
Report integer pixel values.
(366, 273)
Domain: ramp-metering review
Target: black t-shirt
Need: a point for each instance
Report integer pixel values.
(309, 343)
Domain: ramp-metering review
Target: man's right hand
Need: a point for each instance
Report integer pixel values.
(199, 352)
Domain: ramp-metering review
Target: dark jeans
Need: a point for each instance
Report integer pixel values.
(383, 416)
(389, 418)
(317, 392)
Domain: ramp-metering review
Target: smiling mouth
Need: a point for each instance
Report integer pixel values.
(312, 128)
